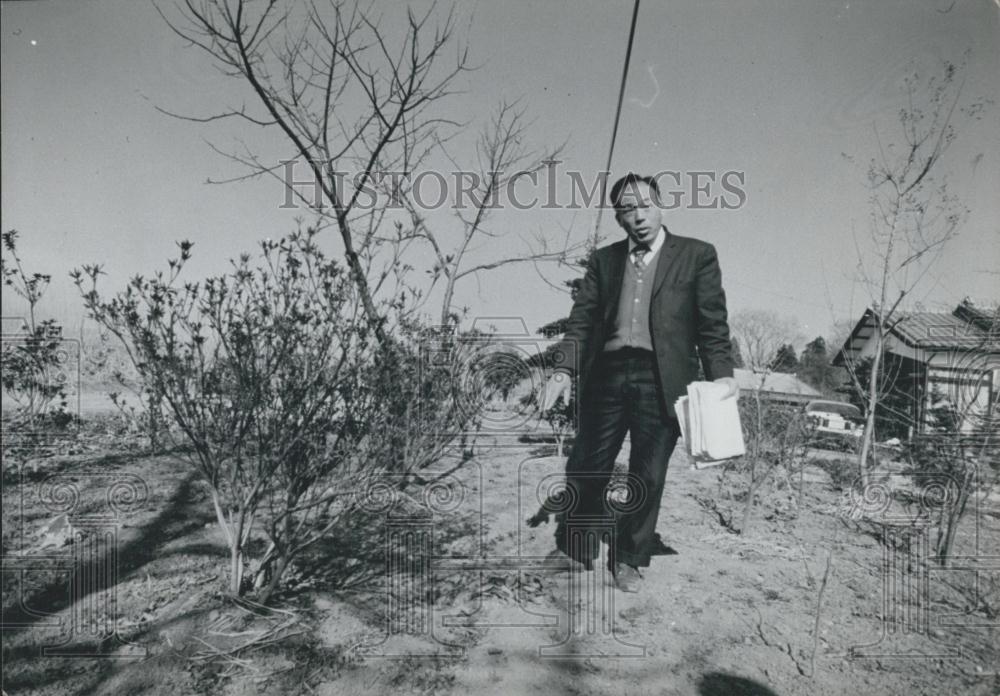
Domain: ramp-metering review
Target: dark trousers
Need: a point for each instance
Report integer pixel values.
(622, 395)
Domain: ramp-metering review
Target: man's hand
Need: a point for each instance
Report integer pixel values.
(557, 385)
(731, 383)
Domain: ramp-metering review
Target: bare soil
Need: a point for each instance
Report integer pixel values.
(451, 593)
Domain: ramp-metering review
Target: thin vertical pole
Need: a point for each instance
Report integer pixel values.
(618, 115)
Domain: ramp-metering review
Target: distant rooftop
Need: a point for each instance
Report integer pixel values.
(774, 382)
(968, 326)
(941, 330)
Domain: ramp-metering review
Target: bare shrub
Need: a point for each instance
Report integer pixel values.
(29, 365)
(285, 403)
(776, 439)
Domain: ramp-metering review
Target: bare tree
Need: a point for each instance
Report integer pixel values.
(761, 334)
(501, 159)
(356, 99)
(327, 76)
(912, 216)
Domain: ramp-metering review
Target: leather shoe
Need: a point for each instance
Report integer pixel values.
(627, 578)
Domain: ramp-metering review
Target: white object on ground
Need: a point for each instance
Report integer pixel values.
(57, 532)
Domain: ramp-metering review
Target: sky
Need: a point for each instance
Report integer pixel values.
(789, 94)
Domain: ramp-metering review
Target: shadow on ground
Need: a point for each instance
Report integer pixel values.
(720, 684)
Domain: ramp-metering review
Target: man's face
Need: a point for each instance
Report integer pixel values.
(639, 214)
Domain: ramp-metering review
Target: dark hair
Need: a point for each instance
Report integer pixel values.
(630, 180)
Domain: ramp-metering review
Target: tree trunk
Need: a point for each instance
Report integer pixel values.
(279, 567)
(952, 516)
(235, 568)
(361, 281)
(449, 293)
(868, 436)
(155, 406)
(234, 541)
(747, 508)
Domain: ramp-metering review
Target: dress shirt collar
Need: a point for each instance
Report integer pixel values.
(654, 247)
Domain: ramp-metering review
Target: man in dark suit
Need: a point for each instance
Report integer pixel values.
(649, 308)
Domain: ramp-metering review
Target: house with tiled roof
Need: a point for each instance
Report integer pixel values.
(937, 358)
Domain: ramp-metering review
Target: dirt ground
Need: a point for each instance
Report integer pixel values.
(451, 593)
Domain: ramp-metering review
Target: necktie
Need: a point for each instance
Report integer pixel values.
(638, 254)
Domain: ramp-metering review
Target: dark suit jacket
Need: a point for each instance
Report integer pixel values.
(687, 315)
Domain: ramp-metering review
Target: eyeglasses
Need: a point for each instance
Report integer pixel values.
(630, 209)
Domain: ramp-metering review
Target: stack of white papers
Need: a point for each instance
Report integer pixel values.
(710, 424)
